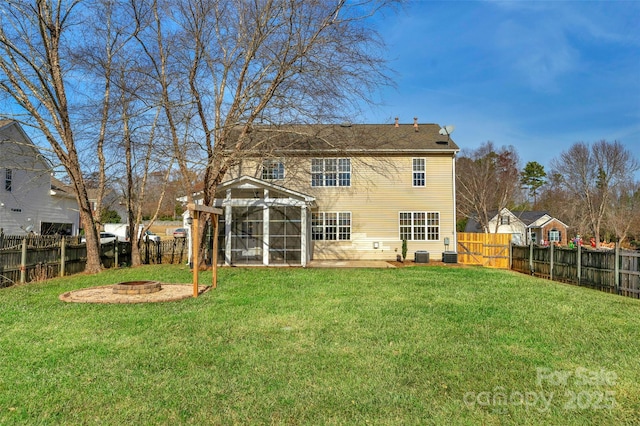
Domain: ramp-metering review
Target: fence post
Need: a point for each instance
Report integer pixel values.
(23, 262)
(616, 268)
(510, 255)
(115, 256)
(579, 262)
(551, 260)
(531, 256)
(63, 254)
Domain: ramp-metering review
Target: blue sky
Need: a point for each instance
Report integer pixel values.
(538, 75)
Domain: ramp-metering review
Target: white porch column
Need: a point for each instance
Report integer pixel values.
(265, 229)
(227, 228)
(303, 235)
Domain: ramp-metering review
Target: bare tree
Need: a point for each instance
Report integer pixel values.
(216, 68)
(35, 73)
(224, 67)
(559, 203)
(622, 217)
(487, 179)
(593, 174)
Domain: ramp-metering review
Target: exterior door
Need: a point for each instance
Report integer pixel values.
(247, 235)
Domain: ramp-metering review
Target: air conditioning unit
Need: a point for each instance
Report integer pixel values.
(450, 257)
(421, 256)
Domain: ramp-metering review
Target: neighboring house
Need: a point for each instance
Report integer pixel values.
(339, 192)
(110, 201)
(31, 200)
(524, 226)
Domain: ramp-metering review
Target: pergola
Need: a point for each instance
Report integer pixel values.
(194, 212)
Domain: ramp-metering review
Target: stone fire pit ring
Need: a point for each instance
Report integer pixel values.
(137, 287)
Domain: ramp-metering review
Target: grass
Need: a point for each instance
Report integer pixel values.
(416, 345)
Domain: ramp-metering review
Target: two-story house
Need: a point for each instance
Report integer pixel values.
(339, 192)
(31, 200)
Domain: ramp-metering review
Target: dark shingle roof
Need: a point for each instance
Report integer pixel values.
(529, 216)
(353, 139)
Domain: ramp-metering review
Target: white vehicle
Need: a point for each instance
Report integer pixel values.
(105, 237)
(120, 230)
(148, 235)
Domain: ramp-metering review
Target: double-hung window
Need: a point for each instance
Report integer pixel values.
(554, 235)
(344, 172)
(419, 226)
(419, 170)
(330, 172)
(272, 170)
(331, 226)
(8, 180)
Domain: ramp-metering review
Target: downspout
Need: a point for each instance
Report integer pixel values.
(455, 207)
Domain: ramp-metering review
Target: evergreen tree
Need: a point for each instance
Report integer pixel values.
(533, 177)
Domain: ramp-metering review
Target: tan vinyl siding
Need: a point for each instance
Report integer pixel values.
(380, 189)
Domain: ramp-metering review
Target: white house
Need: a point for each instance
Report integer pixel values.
(524, 226)
(31, 200)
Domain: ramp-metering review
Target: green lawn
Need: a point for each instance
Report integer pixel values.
(422, 345)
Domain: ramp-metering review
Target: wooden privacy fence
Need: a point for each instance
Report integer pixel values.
(35, 258)
(490, 250)
(614, 271)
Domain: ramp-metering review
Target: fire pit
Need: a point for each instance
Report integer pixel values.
(137, 287)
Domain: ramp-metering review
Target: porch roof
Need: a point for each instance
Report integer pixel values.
(252, 183)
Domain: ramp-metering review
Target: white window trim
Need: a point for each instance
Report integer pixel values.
(423, 172)
(270, 162)
(8, 180)
(337, 225)
(426, 225)
(337, 171)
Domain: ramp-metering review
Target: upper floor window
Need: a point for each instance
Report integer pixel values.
(504, 220)
(330, 172)
(8, 178)
(419, 226)
(331, 226)
(419, 169)
(272, 170)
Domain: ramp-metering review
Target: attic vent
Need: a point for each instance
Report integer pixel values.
(345, 124)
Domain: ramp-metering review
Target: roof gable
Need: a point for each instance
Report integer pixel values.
(13, 135)
(250, 183)
(552, 220)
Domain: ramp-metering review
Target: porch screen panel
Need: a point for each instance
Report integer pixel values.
(221, 238)
(246, 235)
(285, 235)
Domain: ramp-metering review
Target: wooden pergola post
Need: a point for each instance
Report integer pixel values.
(214, 256)
(194, 212)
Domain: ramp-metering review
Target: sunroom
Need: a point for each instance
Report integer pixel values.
(263, 223)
